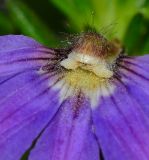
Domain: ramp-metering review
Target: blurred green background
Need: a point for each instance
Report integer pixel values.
(52, 21)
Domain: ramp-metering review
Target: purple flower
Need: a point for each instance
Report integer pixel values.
(76, 103)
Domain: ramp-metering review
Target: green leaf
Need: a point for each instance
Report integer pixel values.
(146, 44)
(79, 12)
(112, 17)
(145, 9)
(6, 26)
(29, 24)
(135, 35)
(117, 12)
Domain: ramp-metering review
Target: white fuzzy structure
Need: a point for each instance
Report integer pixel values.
(94, 64)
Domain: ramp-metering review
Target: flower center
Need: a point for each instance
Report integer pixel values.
(89, 65)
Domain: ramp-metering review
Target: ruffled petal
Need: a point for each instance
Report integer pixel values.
(27, 99)
(70, 134)
(122, 120)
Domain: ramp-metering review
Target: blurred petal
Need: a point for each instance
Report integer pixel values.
(70, 135)
(122, 120)
(27, 100)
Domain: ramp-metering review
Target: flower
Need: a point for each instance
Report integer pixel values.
(76, 103)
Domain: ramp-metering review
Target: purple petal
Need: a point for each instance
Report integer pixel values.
(69, 136)
(13, 42)
(27, 99)
(19, 53)
(122, 120)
